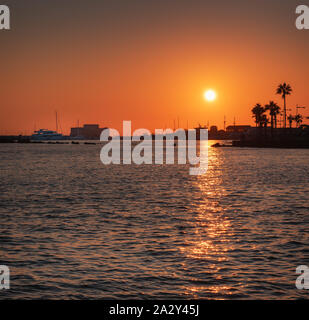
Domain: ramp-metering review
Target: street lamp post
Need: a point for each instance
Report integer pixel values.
(297, 107)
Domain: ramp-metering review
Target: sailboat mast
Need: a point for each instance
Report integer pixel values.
(56, 121)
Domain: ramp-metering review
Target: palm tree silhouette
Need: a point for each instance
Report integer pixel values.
(258, 112)
(274, 110)
(298, 119)
(284, 90)
(264, 120)
(290, 119)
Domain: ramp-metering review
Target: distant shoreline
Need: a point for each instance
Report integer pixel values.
(269, 143)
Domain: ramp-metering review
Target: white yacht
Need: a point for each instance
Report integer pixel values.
(44, 134)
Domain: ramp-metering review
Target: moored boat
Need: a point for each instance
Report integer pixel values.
(44, 134)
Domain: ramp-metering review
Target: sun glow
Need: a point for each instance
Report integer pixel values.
(210, 95)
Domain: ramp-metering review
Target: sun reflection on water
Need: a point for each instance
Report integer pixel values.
(212, 230)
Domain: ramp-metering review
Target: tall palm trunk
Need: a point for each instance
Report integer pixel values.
(284, 90)
(284, 111)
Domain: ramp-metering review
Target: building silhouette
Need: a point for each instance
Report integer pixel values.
(238, 128)
(88, 132)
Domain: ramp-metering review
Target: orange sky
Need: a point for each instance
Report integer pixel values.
(147, 63)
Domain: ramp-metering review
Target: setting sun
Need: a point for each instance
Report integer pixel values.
(210, 95)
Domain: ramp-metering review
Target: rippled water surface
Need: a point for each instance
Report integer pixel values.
(74, 228)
